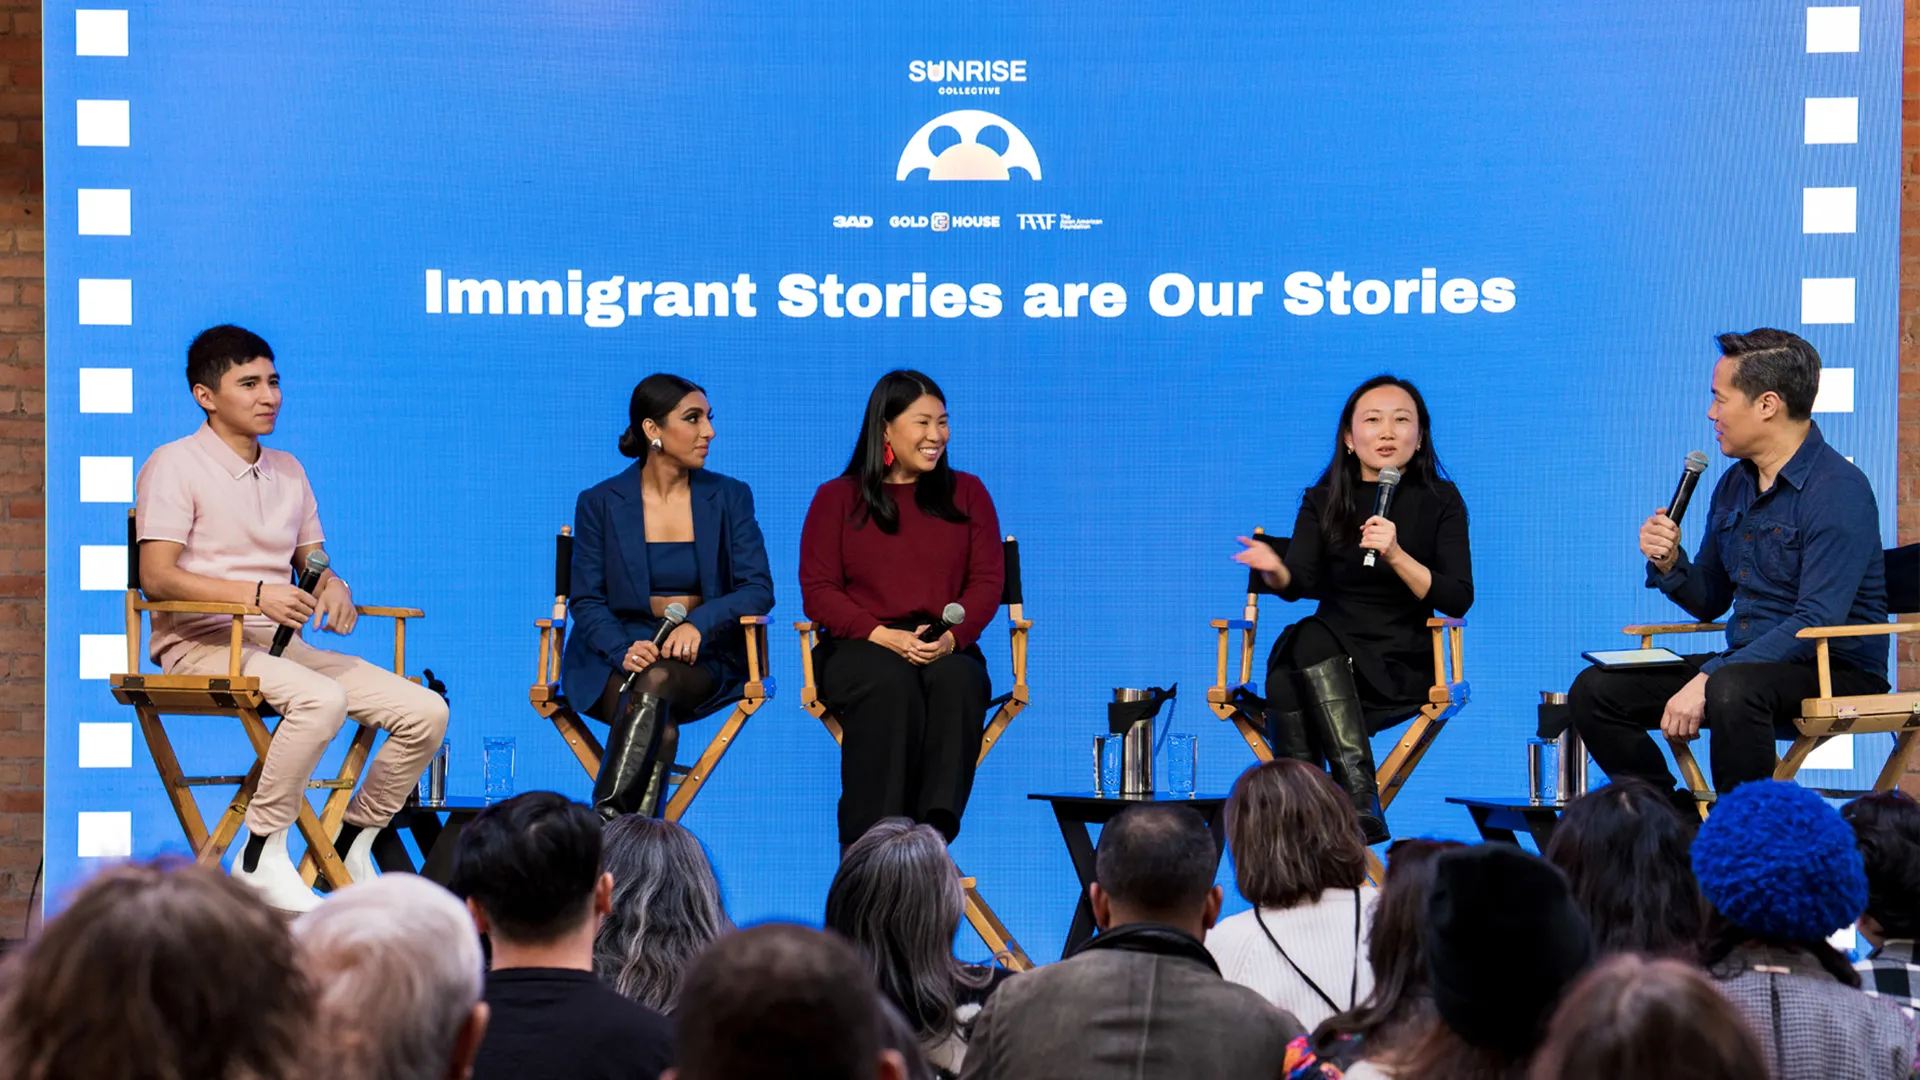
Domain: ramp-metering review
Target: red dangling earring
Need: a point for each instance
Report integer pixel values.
(887, 458)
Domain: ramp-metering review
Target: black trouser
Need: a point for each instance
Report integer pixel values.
(1749, 706)
(910, 734)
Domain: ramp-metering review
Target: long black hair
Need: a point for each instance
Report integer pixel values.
(1340, 517)
(1625, 851)
(653, 400)
(933, 491)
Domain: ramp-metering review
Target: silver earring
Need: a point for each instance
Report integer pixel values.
(655, 445)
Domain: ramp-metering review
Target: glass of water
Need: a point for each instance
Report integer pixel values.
(1106, 764)
(498, 762)
(1543, 771)
(1181, 763)
(433, 782)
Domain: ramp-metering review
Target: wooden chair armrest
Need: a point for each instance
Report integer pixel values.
(1859, 630)
(390, 612)
(804, 627)
(1230, 624)
(195, 607)
(755, 620)
(1019, 624)
(544, 624)
(1674, 628)
(1433, 624)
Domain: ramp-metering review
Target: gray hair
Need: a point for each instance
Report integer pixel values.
(897, 896)
(666, 909)
(397, 962)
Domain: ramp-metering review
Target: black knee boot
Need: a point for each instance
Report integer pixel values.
(1289, 737)
(654, 802)
(1341, 728)
(633, 743)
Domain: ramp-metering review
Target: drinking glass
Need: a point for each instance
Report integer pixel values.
(433, 782)
(1106, 764)
(1181, 763)
(1543, 771)
(498, 763)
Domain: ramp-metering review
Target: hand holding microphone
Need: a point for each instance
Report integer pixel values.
(1660, 534)
(644, 654)
(298, 607)
(1378, 536)
(932, 643)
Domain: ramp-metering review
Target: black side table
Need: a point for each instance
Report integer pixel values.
(437, 839)
(1499, 819)
(1076, 811)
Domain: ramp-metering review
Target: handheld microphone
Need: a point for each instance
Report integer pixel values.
(672, 617)
(950, 616)
(309, 581)
(1696, 464)
(1382, 502)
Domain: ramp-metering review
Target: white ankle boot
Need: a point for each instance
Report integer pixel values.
(275, 876)
(359, 856)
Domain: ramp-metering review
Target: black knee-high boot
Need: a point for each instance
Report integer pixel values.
(1288, 734)
(653, 803)
(1341, 728)
(633, 743)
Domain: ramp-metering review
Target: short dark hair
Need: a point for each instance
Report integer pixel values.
(531, 863)
(1293, 834)
(1887, 825)
(1777, 361)
(778, 1002)
(1157, 858)
(219, 350)
(1638, 1016)
(1627, 854)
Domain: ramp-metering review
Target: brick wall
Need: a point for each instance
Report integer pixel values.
(1908, 469)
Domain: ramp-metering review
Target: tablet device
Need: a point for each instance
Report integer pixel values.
(1634, 658)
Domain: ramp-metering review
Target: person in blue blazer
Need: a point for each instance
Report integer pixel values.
(665, 531)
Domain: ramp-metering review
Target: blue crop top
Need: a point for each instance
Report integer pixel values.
(672, 568)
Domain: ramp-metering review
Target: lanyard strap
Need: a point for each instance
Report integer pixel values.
(1353, 986)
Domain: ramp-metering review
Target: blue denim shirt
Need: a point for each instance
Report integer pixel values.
(1805, 553)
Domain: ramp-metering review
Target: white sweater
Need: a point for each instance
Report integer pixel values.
(1318, 936)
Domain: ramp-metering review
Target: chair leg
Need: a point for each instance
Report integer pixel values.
(1394, 772)
(1376, 870)
(1797, 755)
(230, 821)
(992, 931)
(1690, 772)
(580, 740)
(717, 748)
(1014, 706)
(168, 766)
(1256, 739)
(318, 839)
(333, 812)
(1896, 765)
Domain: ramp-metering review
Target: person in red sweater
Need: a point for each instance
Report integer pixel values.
(886, 547)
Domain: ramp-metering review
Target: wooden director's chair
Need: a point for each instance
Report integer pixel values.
(547, 700)
(1010, 704)
(238, 696)
(1821, 718)
(1447, 696)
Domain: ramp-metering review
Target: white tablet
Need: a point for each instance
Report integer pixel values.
(1634, 658)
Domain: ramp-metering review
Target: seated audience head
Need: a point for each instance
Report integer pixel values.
(1779, 865)
(529, 869)
(666, 909)
(780, 1002)
(1886, 827)
(1156, 864)
(669, 416)
(1396, 951)
(399, 971)
(157, 970)
(1650, 1019)
(1293, 835)
(1763, 389)
(1626, 852)
(897, 897)
(1503, 942)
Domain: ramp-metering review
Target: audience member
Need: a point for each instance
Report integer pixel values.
(1399, 1005)
(157, 970)
(897, 896)
(530, 871)
(1625, 851)
(1503, 941)
(782, 1002)
(1648, 1019)
(1299, 859)
(666, 908)
(1887, 828)
(1145, 998)
(398, 968)
(1782, 872)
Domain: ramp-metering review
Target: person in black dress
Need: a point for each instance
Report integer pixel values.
(1363, 661)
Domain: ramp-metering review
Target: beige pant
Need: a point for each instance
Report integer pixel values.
(315, 691)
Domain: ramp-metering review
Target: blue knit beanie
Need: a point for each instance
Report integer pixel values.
(1775, 859)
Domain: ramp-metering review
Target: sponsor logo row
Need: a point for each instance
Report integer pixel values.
(944, 222)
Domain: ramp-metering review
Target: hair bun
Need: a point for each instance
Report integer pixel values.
(632, 445)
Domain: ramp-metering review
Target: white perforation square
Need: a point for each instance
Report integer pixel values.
(99, 32)
(1835, 396)
(103, 567)
(1832, 120)
(106, 301)
(1833, 29)
(105, 834)
(102, 123)
(106, 390)
(105, 211)
(1827, 209)
(1826, 300)
(102, 655)
(106, 479)
(1835, 753)
(106, 746)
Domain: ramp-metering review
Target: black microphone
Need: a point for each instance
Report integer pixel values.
(1382, 502)
(1696, 464)
(950, 616)
(309, 581)
(672, 617)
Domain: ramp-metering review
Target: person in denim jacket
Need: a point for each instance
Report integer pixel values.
(1792, 540)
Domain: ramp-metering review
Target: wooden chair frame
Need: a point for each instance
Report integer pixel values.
(546, 698)
(980, 915)
(1821, 718)
(234, 694)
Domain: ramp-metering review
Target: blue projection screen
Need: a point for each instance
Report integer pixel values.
(1147, 249)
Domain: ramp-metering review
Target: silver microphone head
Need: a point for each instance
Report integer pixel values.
(675, 614)
(317, 561)
(1389, 476)
(1696, 461)
(953, 614)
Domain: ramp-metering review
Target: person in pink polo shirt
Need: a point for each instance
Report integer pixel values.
(222, 519)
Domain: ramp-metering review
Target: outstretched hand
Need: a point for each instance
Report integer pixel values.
(1256, 555)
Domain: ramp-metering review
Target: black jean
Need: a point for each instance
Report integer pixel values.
(910, 735)
(1749, 706)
